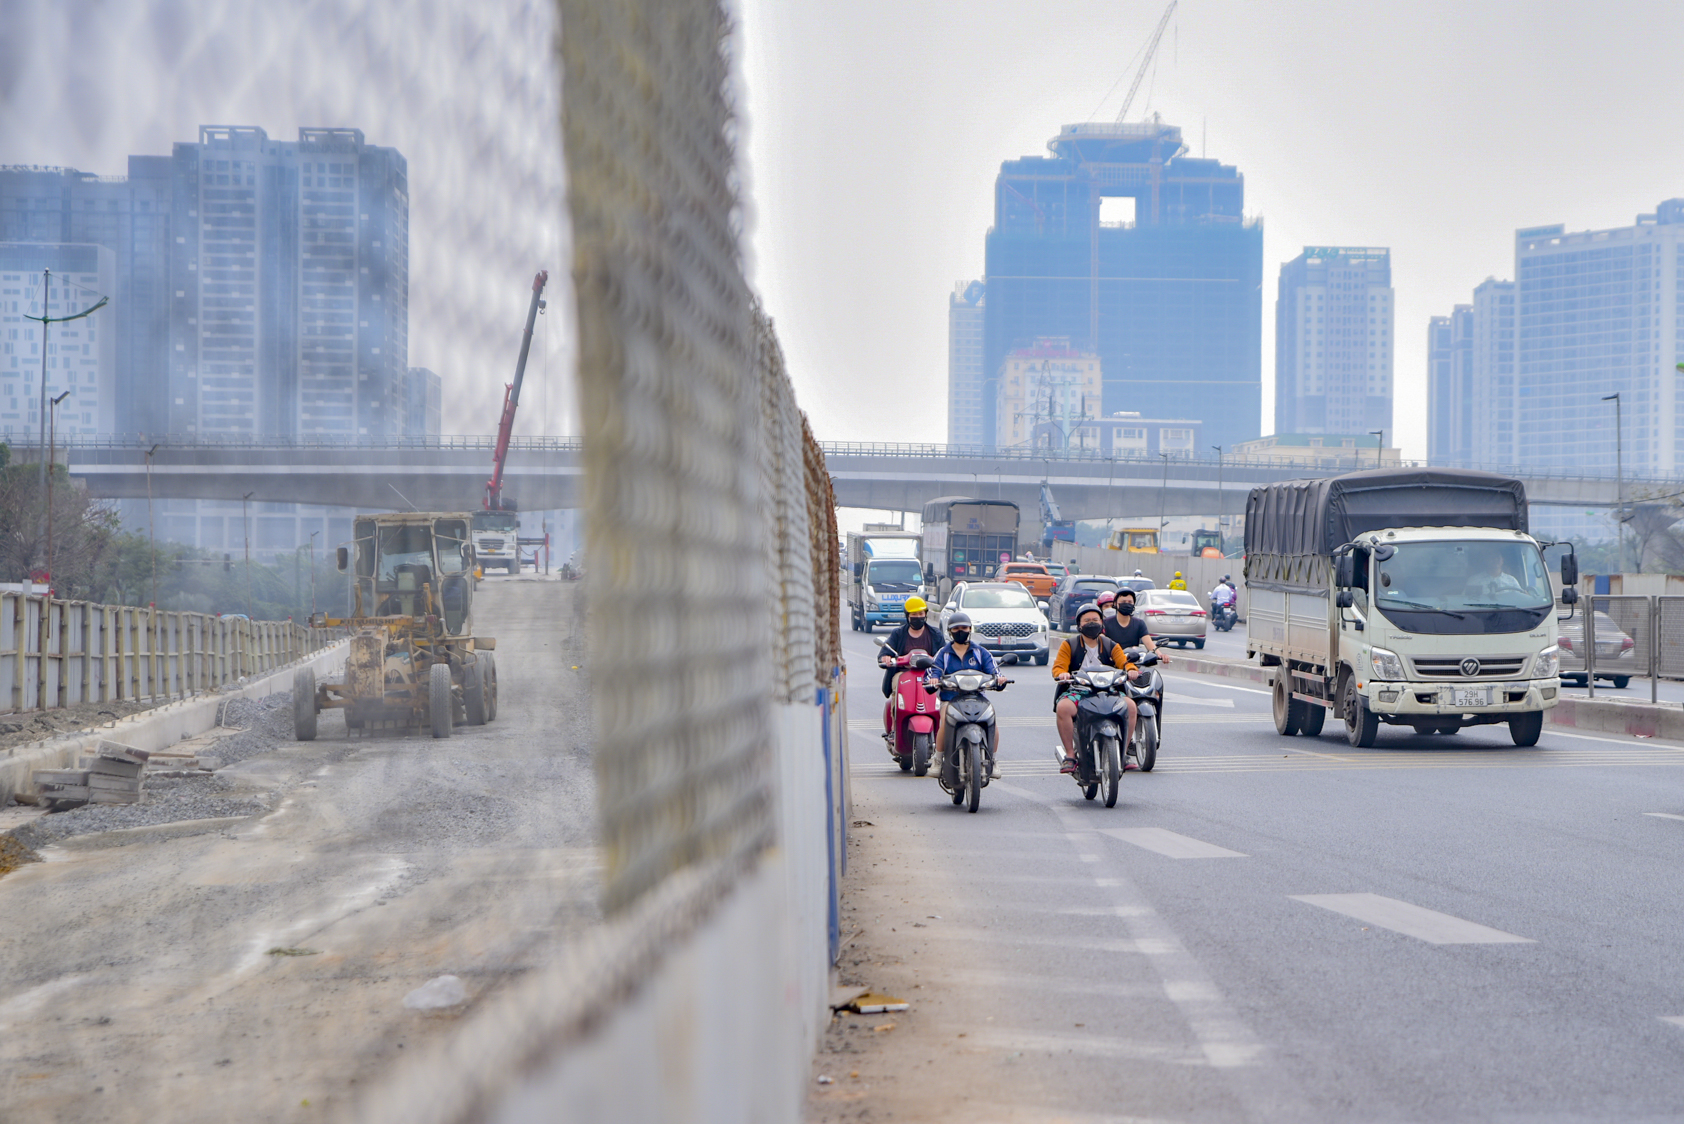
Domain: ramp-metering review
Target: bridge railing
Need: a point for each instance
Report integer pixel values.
(166, 441)
(55, 653)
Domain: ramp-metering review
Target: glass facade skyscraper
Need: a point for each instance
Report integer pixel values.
(964, 364)
(1170, 298)
(1601, 312)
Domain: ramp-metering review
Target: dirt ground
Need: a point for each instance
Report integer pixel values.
(20, 727)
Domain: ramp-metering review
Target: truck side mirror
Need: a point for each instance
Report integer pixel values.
(1345, 572)
(1570, 595)
(1569, 569)
(344, 559)
(1344, 598)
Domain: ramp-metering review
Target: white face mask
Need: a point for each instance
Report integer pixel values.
(1109, 612)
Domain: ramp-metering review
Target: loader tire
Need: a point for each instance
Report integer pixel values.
(439, 703)
(490, 663)
(473, 693)
(304, 704)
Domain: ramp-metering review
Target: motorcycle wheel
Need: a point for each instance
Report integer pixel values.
(905, 764)
(973, 775)
(958, 789)
(1146, 744)
(1113, 771)
(920, 755)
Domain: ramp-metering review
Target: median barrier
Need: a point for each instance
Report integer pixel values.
(1612, 716)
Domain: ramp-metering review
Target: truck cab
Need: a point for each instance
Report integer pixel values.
(497, 540)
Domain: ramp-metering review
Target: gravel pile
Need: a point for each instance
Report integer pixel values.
(264, 724)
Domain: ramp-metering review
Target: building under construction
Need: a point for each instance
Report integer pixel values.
(1170, 298)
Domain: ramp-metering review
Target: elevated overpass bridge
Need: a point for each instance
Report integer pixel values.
(449, 473)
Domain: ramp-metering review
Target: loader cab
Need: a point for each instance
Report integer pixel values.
(410, 565)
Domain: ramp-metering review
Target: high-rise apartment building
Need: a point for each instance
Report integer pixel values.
(964, 364)
(1045, 391)
(1168, 295)
(1601, 312)
(129, 216)
(1334, 333)
(1471, 390)
(425, 396)
(290, 271)
(81, 355)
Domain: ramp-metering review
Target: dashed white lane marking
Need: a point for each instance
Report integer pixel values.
(1675, 1020)
(1169, 843)
(1214, 682)
(1411, 920)
(1178, 697)
(1664, 815)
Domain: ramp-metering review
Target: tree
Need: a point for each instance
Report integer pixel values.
(82, 528)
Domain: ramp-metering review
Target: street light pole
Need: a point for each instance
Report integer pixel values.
(151, 528)
(52, 440)
(313, 535)
(1380, 449)
(245, 525)
(1218, 449)
(1163, 494)
(1619, 477)
(44, 320)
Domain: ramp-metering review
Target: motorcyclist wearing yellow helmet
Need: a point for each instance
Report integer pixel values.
(1178, 582)
(916, 635)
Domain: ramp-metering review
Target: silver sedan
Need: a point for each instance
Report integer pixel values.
(1173, 616)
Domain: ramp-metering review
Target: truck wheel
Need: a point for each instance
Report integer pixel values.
(1525, 728)
(439, 703)
(1314, 717)
(304, 704)
(1285, 706)
(1362, 725)
(490, 662)
(473, 693)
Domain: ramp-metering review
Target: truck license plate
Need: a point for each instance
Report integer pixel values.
(1470, 696)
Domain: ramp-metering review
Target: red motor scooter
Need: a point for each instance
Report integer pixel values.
(909, 716)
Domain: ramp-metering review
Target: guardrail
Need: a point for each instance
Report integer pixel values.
(57, 653)
(1620, 637)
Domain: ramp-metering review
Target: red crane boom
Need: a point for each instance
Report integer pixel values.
(511, 398)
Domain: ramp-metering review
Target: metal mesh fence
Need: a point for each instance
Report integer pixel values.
(701, 506)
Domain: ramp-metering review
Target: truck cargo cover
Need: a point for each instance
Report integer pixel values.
(1319, 516)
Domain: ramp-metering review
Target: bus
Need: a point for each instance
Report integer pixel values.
(966, 539)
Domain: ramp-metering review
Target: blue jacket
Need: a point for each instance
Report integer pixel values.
(947, 662)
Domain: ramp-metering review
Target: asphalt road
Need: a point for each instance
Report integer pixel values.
(138, 980)
(1267, 928)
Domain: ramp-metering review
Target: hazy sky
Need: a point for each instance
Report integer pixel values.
(1436, 129)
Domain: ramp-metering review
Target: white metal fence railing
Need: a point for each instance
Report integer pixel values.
(1615, 638)
(62, 653)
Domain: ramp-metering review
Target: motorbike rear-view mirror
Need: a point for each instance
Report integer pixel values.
(921, 661)
(879, 640)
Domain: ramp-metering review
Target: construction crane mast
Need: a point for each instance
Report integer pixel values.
(511, 398)
(1151, 49)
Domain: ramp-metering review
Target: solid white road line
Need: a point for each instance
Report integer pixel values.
(1410, 920)
(1675, 1020)
(1212, 681)
(1664, 815)
(1178, 697)
(1170, 843)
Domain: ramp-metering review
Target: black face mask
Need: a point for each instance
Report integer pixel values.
(1092, 629)
(961, 635)
(915, 623)
(1125, 608)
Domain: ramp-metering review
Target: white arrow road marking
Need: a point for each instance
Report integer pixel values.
(1410, 920)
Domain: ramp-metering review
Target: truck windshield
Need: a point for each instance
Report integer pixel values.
(896, 572)
(1442, 588)
(496, 521)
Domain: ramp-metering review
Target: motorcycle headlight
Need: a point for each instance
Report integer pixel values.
(1546, 664)
(1387, 665)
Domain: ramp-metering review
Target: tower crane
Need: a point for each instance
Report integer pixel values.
(1151, 49)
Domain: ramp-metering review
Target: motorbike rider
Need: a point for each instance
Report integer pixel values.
(1107, 604)
(1090, 646)
(916, 635)
(1178, 582)
(959, 653)
(1127, 629)
(1224, 594)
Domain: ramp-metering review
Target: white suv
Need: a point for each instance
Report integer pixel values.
(1004, 618)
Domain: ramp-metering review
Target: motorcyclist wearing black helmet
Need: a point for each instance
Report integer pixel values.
(960, 653)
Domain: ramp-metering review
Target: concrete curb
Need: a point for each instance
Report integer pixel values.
(1645, 720)
(156, 729)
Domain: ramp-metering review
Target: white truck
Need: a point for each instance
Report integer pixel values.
(883, 571)
(497, 540)
(1412, 597)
